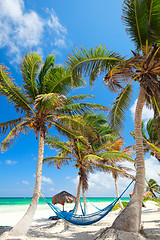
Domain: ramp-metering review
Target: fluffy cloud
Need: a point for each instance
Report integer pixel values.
(46, 180)
(25, 182)
(68, 177)
(9, 162)
(23, 30)
(146, 113)
(55, 24)
(102, 185)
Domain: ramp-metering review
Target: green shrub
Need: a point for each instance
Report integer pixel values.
(118, 206)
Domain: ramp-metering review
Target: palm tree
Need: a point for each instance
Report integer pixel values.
(142, 20)
(42, 103)
(117, 163)
(90, 157)
(150, 134)
(152, 186)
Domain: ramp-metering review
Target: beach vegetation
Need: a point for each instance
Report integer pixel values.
(156, 200)
(142, 21)
(117, 206)
(118, 164)
(152, 187)
(101, 153)
(151, 138)
(42, 103)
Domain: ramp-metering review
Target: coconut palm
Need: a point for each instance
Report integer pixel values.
(152, 186)
(150, 134)
(42, 102)
(118, 163)
(87, 157)
(142, 20)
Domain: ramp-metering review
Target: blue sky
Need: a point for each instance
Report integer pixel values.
(57, 26)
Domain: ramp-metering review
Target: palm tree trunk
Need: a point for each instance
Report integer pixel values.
(130, 218)
(84, 198)
(22, 227)
(117, 194)
(78, 194)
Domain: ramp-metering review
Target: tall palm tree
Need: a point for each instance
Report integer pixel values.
(142, 20)
(87, 157)
(42, 103)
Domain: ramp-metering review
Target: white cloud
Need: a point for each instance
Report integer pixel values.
(19, 30)
(51, 189)
(23, 30)
(11, 8)
(55, 24)
(25, 182)
(46, 180)
(68, 177)
(9, 162)
(152, 169)
(102, 185)
(146, 113)
(61, 43)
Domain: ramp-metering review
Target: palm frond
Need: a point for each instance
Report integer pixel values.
(118, 155)
(58, 80)
(29, 67)
(57, 144)
(66, 131)
(116, 113)
(48, 64)
(153, 147)
(78, 97)
(9, 125)
(49, 102)
(9, 140)
(57, 161)
(140, 18)
(13, 93)
(80, 108)
(91, 62)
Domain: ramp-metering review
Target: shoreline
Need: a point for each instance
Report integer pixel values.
(40, 226)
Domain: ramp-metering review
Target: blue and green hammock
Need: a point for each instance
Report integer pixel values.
(84, 219)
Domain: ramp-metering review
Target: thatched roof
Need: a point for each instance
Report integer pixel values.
(63, 197)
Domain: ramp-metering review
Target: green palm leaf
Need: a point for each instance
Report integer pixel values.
(29, 67)
(92, 61)
(12, 92)
(142, 21)
(9, 140)
(55, 143)
(79, 108)
(116, 113)
(78, 97)
(9, 124)
(58, 80)
(48, 64)
(112, 154)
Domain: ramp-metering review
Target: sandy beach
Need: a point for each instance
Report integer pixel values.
(41, 229)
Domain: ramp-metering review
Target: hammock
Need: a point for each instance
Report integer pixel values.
(84, 219)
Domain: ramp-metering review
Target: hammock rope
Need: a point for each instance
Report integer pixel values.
(84, 219)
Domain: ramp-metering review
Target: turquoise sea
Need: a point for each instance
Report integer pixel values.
(26, 201)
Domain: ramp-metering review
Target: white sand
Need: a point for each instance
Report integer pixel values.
(10, 215)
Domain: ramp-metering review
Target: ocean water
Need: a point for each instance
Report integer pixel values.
(27, 201)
